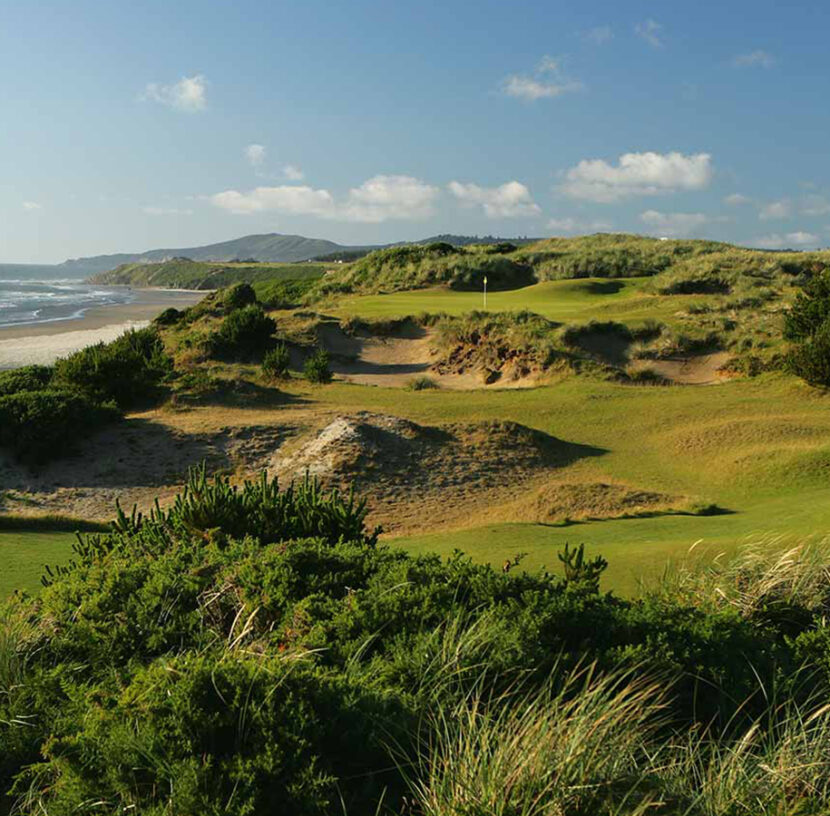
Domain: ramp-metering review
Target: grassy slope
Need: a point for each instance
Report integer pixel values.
(186, 274)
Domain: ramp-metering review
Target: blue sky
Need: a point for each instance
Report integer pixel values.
(132, 126)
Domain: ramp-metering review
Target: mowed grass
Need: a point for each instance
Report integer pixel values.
(24, 556)
(566, 301)
(757, 448)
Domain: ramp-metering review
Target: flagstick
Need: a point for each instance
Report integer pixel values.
(485, 293)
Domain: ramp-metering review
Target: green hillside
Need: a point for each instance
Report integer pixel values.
(185, 273)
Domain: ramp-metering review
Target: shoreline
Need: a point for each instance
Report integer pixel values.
(43, 343)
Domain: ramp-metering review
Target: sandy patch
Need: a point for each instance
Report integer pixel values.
(693, 369)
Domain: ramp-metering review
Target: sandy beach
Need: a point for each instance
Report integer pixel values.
(43, 343)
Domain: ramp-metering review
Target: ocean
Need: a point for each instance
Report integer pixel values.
(39, 294)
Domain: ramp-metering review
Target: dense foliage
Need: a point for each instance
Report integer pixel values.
(808, 324)
(245, 333)
(317, 367)
(45, 411)
(251, 650)
(276, 361)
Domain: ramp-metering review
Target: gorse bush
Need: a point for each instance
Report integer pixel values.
(45, 412)
(276, 361)
(245, 333)
(28, 378)
(317, 367)
(127, 371)
(238, 296)
(808, 324)
(37, 426)
(250, 649)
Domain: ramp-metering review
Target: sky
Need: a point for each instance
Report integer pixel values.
(131, 126)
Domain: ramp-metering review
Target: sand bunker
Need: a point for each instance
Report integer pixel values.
(416, 476)
(691, 369)
(396, 358)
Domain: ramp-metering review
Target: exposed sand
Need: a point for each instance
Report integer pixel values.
(43, 343)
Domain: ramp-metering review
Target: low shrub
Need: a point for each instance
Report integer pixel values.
(28, 378)
(238, 296)
(317, 367)
(127, 371)
(245, 334)
(810, 359)
(169, 317)
(275, 362)
(37, 426)
(422, 383)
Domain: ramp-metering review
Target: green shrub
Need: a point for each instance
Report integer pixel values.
(245, 334)
(275, 362)
(28, 378)
(810, 311)
(40, 425)
(169, 317)
(422, 383)
(127, 371)
(810, 359)
(238, 296)
(316, 367)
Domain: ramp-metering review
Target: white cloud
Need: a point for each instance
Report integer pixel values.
(384, 198)
(165, 211)
(285, 199)
(530, 89)
(510, 200)
(815, 205)
(189, 94)
(570, 225)
(548, 82)
(737, 199)
(255, 154)
(379, 199)
(791, 239)
(293, 173)
(754, 59)
(675, 225)
(776, 209)
(31, 205)
(599, 35)
(651, 32)
(637, 174)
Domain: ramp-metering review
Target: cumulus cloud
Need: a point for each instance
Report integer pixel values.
(791, 239)
(737, 199)
(776, 209)
(548, 82)
(289, 200)
(674, 225)
(165, 211)
(754, 59)
(651, 32)
(255, 154)
(31, 206)
(293, 173)
(573, 225)
(378, 199)
(384, 198)
(189, 94)
(599, 35)
(510, 200)
(637, 174)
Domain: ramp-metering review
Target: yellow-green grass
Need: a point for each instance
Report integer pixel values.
(567, 301)
(758, 448)
(24, 556)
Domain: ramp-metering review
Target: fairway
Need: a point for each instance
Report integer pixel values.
(26, 554)
(625, 300)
